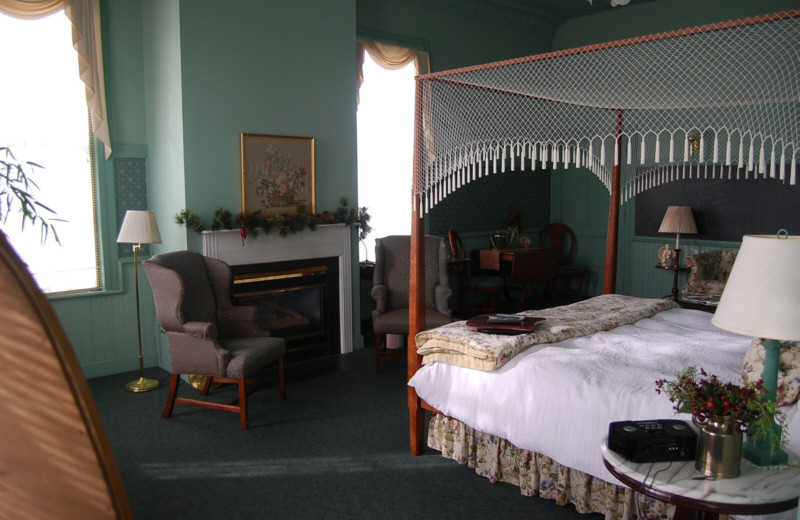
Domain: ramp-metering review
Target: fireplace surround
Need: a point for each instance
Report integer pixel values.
(330, 241)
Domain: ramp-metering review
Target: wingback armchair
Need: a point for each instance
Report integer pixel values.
(207, 334)
(391, 288)
(709, 272)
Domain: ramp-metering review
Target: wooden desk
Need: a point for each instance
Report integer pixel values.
(757, 491)
(498, 259)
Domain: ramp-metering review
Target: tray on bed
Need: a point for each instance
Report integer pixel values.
(483, 323)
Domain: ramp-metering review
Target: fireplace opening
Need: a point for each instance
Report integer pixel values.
(295, 300)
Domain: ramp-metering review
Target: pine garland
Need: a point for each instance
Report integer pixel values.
(254, 224)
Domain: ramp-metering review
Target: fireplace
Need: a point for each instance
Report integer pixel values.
(328, 303)
(294, 300)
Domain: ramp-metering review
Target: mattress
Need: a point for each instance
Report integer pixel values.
(558, 399)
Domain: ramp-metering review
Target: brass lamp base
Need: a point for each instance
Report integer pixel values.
(142, 385)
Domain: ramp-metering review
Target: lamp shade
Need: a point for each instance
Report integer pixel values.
(139, 227)
(678, 219)
(762, 294)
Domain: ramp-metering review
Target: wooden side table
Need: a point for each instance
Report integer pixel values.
(757, 491)
(676, 269)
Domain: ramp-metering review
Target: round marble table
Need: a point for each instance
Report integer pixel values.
(757, 491)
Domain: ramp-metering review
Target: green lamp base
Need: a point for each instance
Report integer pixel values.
(759, 453)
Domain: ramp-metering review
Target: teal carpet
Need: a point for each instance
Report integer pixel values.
(336, 448)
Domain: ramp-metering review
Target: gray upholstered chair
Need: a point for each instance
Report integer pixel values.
(391, 287)
(207, 335)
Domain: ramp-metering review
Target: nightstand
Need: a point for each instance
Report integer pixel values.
(675, 269)
(759, 490)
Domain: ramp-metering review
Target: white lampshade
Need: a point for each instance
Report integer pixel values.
(678, 219)
(762, 295)
(139, 227)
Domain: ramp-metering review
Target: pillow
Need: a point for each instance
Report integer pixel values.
(788, 369)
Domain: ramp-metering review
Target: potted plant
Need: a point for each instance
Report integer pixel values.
(15, 189)
(723, 411)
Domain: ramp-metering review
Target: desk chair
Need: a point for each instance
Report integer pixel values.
(531, 266)
(488, 286)
(562, 239)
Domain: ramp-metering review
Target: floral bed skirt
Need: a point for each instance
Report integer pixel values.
(537, 475)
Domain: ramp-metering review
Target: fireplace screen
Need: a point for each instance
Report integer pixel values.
(293, 300)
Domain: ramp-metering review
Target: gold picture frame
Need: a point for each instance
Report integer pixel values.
(277, 174)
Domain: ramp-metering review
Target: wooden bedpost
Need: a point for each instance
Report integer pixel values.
(612, 238)
(416, 282)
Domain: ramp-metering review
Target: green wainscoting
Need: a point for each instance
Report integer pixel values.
(102, 326)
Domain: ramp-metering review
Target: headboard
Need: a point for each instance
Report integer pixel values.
(56, 458)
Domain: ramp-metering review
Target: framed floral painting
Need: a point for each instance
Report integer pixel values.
(277, 174)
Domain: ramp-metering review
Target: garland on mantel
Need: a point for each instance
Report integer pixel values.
(254, 224)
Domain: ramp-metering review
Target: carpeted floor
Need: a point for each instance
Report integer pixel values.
(336, 448)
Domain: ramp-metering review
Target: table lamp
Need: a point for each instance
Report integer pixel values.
(762, 299)
(139, 227)
(678, 219)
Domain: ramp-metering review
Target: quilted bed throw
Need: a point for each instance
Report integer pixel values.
(456, 344)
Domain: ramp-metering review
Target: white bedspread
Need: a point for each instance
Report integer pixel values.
(559, 399)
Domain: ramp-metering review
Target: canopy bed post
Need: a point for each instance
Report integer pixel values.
(416, 280)
(612, 239)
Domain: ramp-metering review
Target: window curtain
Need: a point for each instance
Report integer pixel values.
(87, 41)
(390, 57)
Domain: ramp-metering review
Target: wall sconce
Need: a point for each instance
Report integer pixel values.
(694, 143)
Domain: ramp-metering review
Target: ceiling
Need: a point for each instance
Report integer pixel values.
(543, 16)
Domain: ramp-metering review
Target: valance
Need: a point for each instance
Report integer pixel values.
(390, 57)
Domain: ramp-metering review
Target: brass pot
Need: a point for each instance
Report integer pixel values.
(499, 241)
(719, 447)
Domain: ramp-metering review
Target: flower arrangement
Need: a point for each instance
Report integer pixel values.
(279, 180)
(706, 396)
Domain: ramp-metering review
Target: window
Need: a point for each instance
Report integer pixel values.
(385, 150)
(45, 120)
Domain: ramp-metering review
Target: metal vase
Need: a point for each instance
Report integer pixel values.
(719, 447)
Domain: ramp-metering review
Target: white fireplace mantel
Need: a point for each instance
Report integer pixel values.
(330, 240)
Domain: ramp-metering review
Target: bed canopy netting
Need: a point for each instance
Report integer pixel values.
(637, 113)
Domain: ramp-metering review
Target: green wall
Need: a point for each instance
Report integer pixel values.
(186, 77)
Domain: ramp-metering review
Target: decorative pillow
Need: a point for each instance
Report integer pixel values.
(788, 369)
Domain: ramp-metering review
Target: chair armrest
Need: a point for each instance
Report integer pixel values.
(200, 329)
(190, 354)
(239, 322)
(379, 293)
(442, 295)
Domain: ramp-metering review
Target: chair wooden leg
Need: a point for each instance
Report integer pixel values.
(174, 380)
(243, 403)
(379, 340)
(282, 377)
(206, 385)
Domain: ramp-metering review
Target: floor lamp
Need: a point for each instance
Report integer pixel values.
(139, 227)
(762, 299)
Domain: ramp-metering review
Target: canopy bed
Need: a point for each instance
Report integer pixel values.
(637, 113)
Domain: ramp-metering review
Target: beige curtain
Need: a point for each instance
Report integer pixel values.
(87, 41)
(389, 57)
